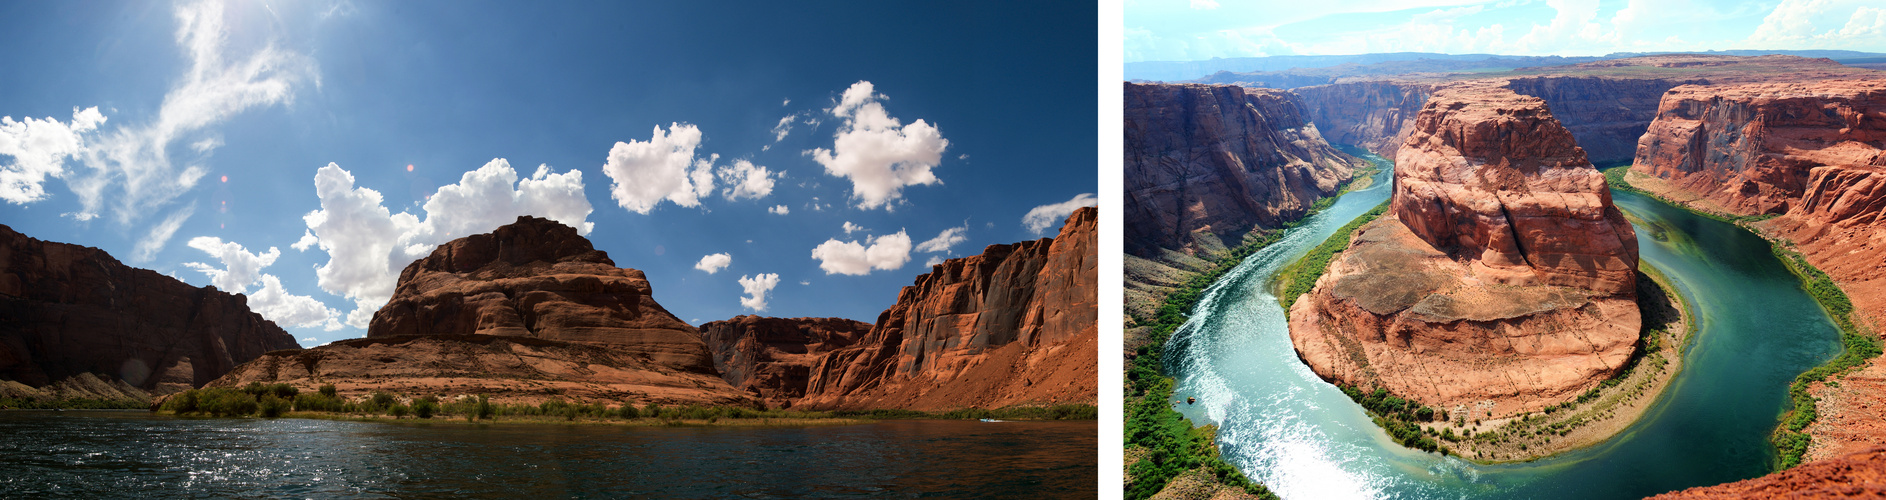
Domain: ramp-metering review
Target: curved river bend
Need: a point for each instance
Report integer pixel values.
(1300, 436)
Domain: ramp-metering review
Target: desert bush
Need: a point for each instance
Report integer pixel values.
(183, 402)
(272, 406)
(400, 410)
(223, 402)
(328, 390)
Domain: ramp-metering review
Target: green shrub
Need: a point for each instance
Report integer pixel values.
(272, 406)
(628, 411)
(183, 402)
(425, 407)
(223, 402)
(328, 390)
(400, 410)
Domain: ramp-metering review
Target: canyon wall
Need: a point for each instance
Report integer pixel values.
(1501, 278)
(528, 312)
(1208, 164)
(1373, 115)
(773, 357)
(1016, 325)
(1605, 114)
(1858, 475)
(67, 311)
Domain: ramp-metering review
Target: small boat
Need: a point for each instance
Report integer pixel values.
(990, 420)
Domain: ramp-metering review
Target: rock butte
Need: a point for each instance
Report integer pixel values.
(1814, 153)
(1502, 274)
(527, 312)
(74, 322)
(772, 358)
(1016, 325)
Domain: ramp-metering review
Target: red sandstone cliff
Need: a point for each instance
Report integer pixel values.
(1814, 153)
(1208, 164)
(1016, 325)
(67, 311)
(773, 357)
(528, 311)
(1502, 272)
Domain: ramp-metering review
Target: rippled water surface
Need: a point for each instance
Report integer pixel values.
(1287, 428)
(91, 454)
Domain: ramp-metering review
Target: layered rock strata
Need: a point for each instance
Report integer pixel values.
(1815, 154)
(528, 311)
(772, 358)
(1016, 325)
(1502, 278)
(71, 311)
(1208, 164)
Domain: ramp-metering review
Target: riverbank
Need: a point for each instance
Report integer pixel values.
(1803, 434)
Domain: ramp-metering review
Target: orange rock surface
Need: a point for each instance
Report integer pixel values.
(1016, 325)
(1502, 274)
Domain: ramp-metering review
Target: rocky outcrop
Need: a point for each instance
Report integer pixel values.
(1208, 164)
(1812, 153)
(772, 358)
(68, 311)
(526, 312)
(1502, 276)
(537, 278)
(1016, 325)
(1859, 475)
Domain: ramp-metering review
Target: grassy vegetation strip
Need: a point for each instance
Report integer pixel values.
(1302, 274)
(1790, 439)
(1399, 416)
(276, 400)
(72, 404)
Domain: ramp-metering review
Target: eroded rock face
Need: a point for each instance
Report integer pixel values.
(1605, 114)
(1207, 164)
(537, 278)
(1501, 279)
(1751, 149)
(1375, 115)
(527, 312)
(1859, 475)
(773, 357)
(1016, 325)
(68, 310)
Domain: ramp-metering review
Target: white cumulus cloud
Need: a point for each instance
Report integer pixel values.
(882, 253)
(878, 153)
(946, 239)
(1039, 219)
(662, 168)
(240, 268)
(746, 180)
(756, 289)
(851, 228)
(779, 209)
(368, 245)
(39, 149)
(713, 263)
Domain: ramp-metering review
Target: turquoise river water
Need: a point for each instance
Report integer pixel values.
(133, 454)
(1304, 439)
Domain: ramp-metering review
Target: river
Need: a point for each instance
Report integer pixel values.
(1300, 436)
(113, 454)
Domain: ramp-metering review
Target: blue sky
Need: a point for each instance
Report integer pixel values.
(304, 152)
(1189, 30)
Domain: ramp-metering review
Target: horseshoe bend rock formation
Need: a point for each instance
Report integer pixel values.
(1502, 273)
(74, 314)
(526, 312)
(773, 357)
(1207, 164)
(1014, 326)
